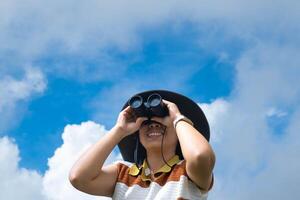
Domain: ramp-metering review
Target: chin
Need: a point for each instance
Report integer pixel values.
(153, 145)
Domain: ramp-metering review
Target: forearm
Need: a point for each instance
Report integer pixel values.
(89, 165)
(195, 147)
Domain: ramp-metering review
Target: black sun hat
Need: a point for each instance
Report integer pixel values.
(130, 144)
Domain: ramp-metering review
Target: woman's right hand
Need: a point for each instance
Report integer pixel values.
(127, 123)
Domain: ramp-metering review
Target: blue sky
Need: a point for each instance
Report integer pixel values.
(68, 101)
(66, 69)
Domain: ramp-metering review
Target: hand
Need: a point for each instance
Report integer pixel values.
(127, 123)
(173, 113)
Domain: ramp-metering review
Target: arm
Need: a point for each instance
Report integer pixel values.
(197, 152)
(199, 156)
(88, 174)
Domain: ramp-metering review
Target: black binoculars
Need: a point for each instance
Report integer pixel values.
(154, 106)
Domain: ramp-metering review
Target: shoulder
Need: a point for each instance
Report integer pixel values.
(123, 167)
(180, 166)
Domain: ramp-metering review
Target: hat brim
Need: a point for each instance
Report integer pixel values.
(187, 107)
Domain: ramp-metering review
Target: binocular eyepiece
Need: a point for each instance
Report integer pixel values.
(154, 106)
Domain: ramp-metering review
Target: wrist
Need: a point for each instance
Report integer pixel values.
(176, 116)
(119, 130)
(180, 118)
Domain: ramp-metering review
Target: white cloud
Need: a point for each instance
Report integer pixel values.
(247, 154)
(90, 30)
(251, 164)
(16, 182)
(276, 112)
(76, 140)
(252, 161)
(14, 92)
(215, 112)
(54, 184)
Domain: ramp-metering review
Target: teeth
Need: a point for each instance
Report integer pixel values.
(154, 134)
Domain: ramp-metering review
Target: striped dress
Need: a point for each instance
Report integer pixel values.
(169, 183)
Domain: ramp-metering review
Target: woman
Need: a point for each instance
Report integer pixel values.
(165, 157)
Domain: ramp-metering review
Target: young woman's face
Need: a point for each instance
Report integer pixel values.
(151, 134)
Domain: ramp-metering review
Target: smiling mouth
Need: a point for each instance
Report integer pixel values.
(154, 134)
(154, 129)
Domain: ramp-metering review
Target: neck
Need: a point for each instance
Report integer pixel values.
(155, 159)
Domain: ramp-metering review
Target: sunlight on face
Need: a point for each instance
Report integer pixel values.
(151, 134)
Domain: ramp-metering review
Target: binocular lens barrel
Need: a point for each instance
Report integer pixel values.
(154, 100)
(154, 106)
(135, 102)
(157, 107)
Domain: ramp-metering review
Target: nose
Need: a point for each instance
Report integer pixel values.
(154, 125)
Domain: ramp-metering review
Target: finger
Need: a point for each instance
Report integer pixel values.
(127, 108)
(166, 101)
(170, 104)
(126, 111)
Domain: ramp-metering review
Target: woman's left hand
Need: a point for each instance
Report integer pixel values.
(173, 113)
